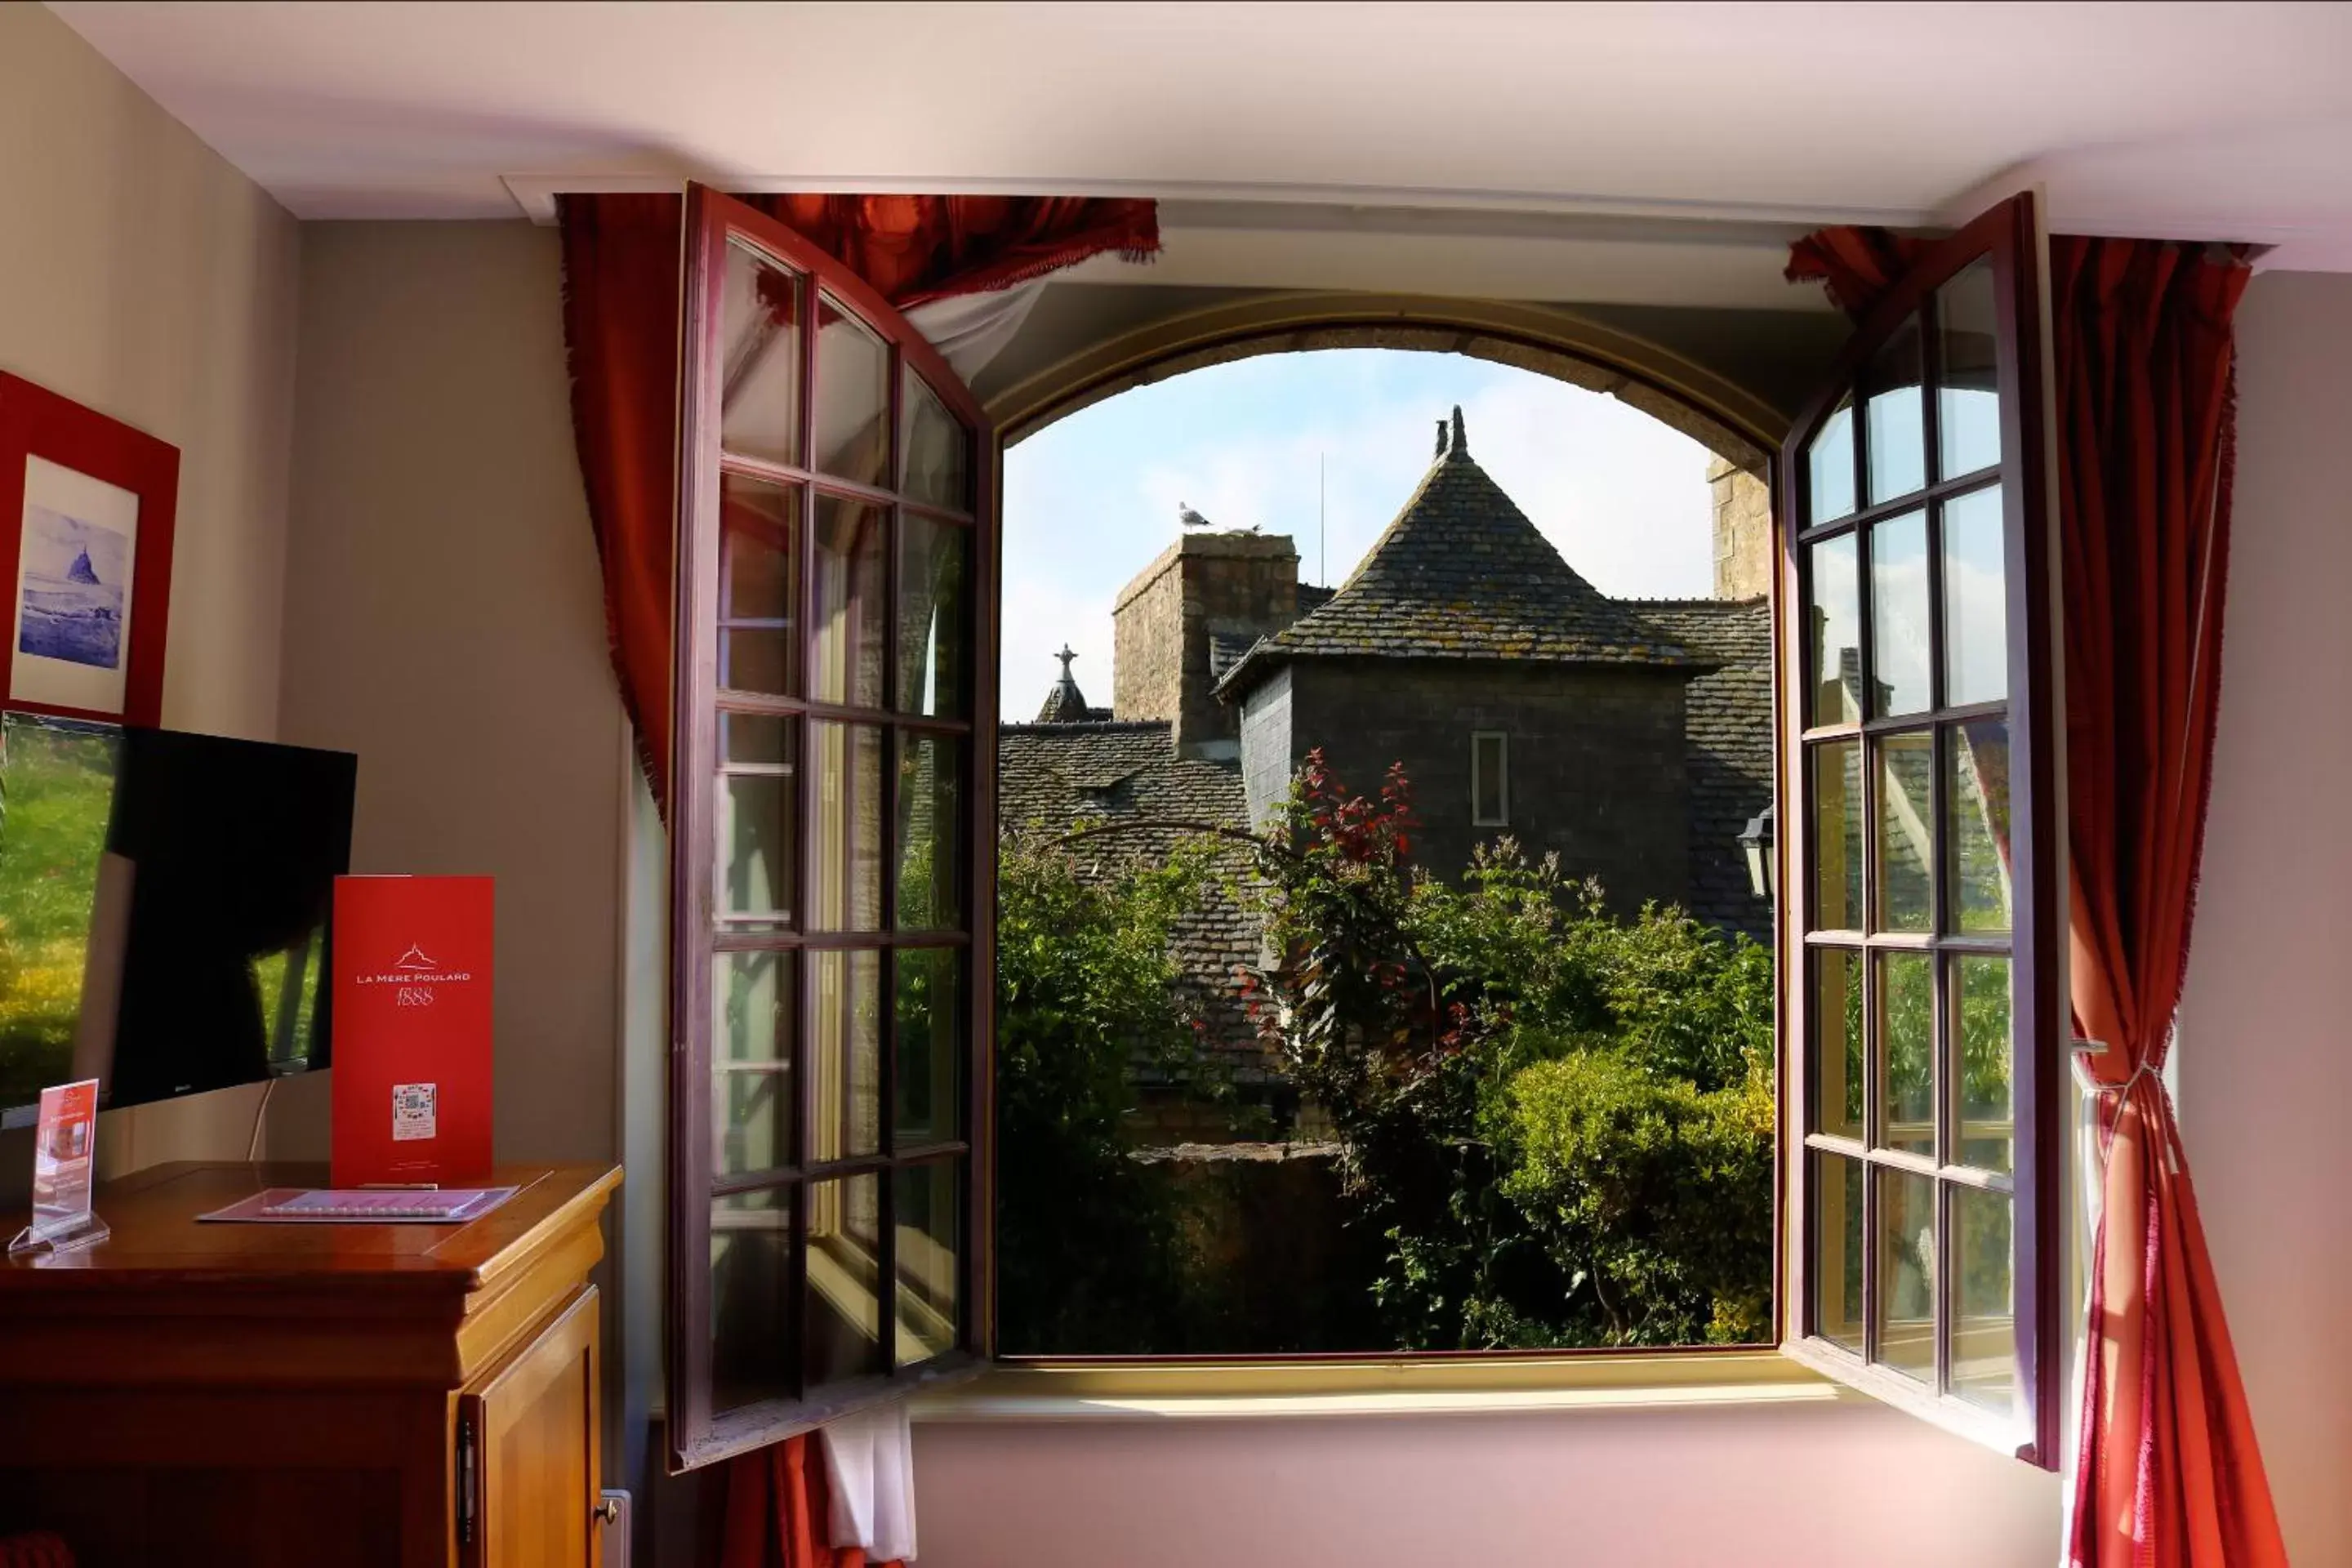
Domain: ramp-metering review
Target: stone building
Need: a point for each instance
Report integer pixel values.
(1632, 738)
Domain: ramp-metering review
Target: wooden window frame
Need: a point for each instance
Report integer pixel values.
(2007, 237)
(697, 1434)
(1502, 739)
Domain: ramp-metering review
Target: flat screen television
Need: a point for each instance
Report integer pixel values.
(163, 909)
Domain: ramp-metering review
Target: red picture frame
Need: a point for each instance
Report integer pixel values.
(52, 447)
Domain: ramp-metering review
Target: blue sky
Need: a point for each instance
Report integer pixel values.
(1091, 499)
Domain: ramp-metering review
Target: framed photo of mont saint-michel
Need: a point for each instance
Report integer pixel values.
(86, 510)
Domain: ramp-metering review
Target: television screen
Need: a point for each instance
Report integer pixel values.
(163, 909)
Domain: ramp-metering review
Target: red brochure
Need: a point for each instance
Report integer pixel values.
(412, 1030)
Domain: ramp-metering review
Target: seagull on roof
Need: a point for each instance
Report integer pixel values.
(1188, 517)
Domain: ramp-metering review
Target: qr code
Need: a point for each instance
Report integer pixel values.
(412, 1111)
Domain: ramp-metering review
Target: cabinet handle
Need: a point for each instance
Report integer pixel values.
(608, 1511)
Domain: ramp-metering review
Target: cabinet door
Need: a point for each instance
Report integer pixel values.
(528, 1472)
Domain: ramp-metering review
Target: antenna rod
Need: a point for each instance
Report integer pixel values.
(1322, 540)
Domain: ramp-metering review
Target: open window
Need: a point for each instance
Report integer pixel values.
(828, 915)
(1921, 989)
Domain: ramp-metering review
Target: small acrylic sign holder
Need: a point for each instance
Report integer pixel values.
(65, 1151)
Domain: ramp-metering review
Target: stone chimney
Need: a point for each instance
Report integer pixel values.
(1185, 618)
(1743, 530)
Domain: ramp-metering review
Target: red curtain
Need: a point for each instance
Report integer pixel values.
(2167, 1474)
(621, 325)
(778, 1503)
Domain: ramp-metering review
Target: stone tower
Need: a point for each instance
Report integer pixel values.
(1187, 618)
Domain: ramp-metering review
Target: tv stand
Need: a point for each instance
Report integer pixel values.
(382, 1395)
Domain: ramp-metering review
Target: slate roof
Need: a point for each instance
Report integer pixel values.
(1051, 775)
(1462, 574)
(1728, 723)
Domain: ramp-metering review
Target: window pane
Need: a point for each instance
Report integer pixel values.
(1834, 1182)
(752, 1022)
(1984, 1319)
(1837, 835)
(760, 317)
(1975, 600)
(1828, 463)
(1489, 784)
(853, 398)
(1968, 402)
(931, 1032)
(930, 818)
(1907, 851)
(1898, 415)
(939, 459)
(1981, 1023)
(848, 891)
(757, 740)
(751, 1326)
(929, 1218)
(1900, 629)
(845, 1257)
(934, 617)
(845, 1056)
(759, 586)
(1837, 1043)
(1976, 793)
(1907, 1273)
(1833, 622)
(759, 849)
(850, 608)
(1906, 1036)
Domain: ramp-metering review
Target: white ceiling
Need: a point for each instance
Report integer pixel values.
(2208, 121)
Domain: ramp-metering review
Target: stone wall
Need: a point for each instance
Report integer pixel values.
(1599, 768)
(1743, 530)
(1202, 601)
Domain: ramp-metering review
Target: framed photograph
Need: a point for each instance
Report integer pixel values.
(86, 512)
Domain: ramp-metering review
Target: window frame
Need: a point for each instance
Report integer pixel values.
(1502, 739)
(2008, 236)
(716, 225)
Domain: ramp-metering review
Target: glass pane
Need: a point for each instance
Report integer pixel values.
(1976, 854)
(848, 828)
(930, 814)
(759, 848)
(1834, 623)
(1906, 1036)
(751, 1327)
(1837, 1043)
(1980, 1022)
(752, 1022)
(853, 398)
(1837, 835)
(1975, 600)
(929, 1219)
(939, 450)
(1907, 849)
(1828, 463)
(845, 1263)
(934, 617)
(845, 1056)
(757, 740)
(1900, 630)
(1835, 1183)
(1898, 415)
(759, 586)
(1968, 402)
(1907, 1273)
(850, 607)
(930, 1028)
(1489, 782)
(1984, 1320)
(760, 321)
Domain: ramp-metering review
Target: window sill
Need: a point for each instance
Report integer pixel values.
(1067, 1391)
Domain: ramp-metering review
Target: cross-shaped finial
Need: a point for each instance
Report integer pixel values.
(1067, 654)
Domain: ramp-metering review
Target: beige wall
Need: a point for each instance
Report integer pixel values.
(143, 275)
(2265, 1050)
(444, 621)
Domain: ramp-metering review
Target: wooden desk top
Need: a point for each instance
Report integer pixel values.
(158, 1244)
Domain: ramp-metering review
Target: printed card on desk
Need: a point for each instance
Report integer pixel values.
(65, 1151)
(412, 1019)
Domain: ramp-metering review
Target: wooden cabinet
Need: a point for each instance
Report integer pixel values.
(278, 1394)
